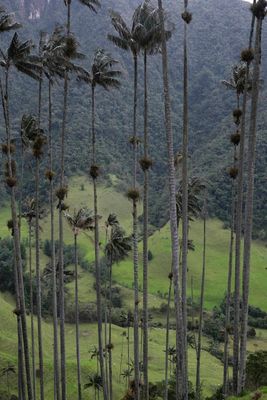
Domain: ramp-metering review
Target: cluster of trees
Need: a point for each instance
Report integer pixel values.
(56, 62)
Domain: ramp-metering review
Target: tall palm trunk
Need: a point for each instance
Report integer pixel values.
(145, 240)
(249, 203)
(21, 380)
(77, 328)
(185, 215)
(61, 234)
(172, 190)
(53, 252)
(97, 264)
(167, 341)
(110, 333)
(38, 279)
(228, 299)
(239, 220)
(200, 328)
(135, 245)
(16, 236)
(32, 312)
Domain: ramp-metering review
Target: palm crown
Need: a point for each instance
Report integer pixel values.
(19, 55)
(147, 27)
(102, 72)
(81, 220)
(7, 21)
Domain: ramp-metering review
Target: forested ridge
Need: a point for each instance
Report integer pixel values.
(133, 182)
(216, 34)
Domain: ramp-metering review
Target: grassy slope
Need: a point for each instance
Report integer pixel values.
(159, 244)
(217, 254)
(110, 201)
(211, 373)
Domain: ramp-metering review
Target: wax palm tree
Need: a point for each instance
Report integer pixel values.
(95, 382)
(18, 56)
(82, 220)
(172, 190)
(187, 17)
(6, 371)
(70, 53)
(117, 249)
(237, 84)
(259, 11)
(102, 74)
(240, 83)
(146, 23)
(127, 39)
(8, 21)
(31, 132)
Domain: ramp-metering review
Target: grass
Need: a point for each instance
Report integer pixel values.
(80, 194)
(217, 265)
(211, 371)
(159, 267)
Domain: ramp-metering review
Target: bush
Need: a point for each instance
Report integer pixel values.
(256, 370)
(7, 282)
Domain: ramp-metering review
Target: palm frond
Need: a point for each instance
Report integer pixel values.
(91, 4)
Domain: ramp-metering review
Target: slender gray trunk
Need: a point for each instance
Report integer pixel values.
(135, 247)
(239, 220)
(172, 190)
(200, 328)
(77, 328)
(228, 300)
(249, 204)
(166, 391)
(16, 236)
(97, 264)
(32, 312)
(145, 240)
(53, 255)
(185, 215)
(61, 234)
(38, 280)
(110, 333)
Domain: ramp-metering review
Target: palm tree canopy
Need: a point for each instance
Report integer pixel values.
(94, 381)
(195, 187)
(102, 71)
(112, 220)
(81, 220)
(126, 38)
(8, 21)
(32, 136)
(147, 27)
(238, 80)
(57, 52)
(118, 246)
(91, 4)
(19, 55)
(7, 370)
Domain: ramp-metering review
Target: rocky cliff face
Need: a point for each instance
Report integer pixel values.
(30, 9)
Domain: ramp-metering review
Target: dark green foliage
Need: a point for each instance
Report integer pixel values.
(68, 254)
(257, 370)
(149, 255)
(7, 282)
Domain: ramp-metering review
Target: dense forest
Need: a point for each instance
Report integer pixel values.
(127, 132)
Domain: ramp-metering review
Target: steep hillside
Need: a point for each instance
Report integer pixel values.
(217, 34)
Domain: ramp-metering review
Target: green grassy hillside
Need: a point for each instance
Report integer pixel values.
(211, 372)
(159, 245)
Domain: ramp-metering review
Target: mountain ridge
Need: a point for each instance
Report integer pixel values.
(217, 34)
